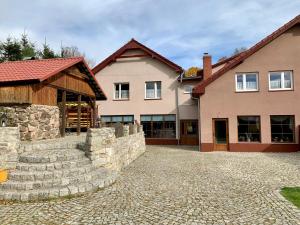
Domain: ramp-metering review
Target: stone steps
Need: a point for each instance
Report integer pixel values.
(55, 192)
(56, 182)
(51, 156)
(54, 172)
(52, 166)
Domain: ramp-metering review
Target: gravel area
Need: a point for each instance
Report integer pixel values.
(179, 185)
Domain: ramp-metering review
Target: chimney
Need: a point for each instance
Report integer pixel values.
(207, 67)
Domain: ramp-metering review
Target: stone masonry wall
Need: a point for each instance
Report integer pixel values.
(105, 149)
(35, 122)
(9, 144)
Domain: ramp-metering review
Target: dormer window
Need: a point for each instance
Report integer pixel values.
(246, 82)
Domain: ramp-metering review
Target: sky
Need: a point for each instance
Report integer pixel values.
(181, 30)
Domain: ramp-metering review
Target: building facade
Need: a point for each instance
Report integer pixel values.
(251, 102)
(143, 86)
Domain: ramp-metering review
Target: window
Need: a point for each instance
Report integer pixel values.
(159, 126)
(153, 90)
(121, 91)
(249, 128)
(188, 89)
(117, 119)
(283, 128)
(246, 82)
(281, 80)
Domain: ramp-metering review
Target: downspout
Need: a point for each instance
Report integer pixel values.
(199, 120)
(177, 111)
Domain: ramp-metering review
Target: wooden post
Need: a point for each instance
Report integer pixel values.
(94, 114)
(79, 115)
(63, 117)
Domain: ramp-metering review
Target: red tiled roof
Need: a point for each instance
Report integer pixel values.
(34, 69)
(133, 44)
(200, 88)
(42, 69)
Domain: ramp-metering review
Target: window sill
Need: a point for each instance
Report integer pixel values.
(125, 99)
(274, 90)
(284, 143)
(246, 91)
(249, 142)
(152, 98)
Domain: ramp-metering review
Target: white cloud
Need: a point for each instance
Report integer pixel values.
(180, 30)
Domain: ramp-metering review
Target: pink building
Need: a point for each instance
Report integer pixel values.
(250, 102)
(143, 86)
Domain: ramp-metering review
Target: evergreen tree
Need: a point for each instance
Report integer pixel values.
(47, 52)
(10, 50)
(28, 48)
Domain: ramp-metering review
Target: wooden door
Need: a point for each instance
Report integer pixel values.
(220, 134)
(189, 132)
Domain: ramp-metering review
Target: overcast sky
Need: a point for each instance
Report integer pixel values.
(181, 30)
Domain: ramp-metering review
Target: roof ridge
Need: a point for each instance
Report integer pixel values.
(35, 60)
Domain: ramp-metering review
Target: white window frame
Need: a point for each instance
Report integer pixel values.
(244, 82)
(155, 89)
(281, 80)
(188, 85)
(119, 89)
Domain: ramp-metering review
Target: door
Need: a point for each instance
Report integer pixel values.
(189, 132)
(220, 134)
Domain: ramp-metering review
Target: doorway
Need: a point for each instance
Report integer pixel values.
(189, 132)
(220, 134)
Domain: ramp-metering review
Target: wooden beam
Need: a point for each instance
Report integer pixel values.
(94, 113)
(133, 56)
(79, 115)
(63, 114)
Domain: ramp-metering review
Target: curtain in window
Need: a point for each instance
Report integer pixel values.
(251, 82)
(287, 80)
(124, 93)
(275, 80)
(239, 82)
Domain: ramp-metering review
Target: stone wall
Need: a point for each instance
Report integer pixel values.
(105, 149)
(35, 122)
(9, 144)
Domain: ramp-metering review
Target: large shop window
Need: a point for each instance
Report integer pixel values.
(249, 128)
(126, 119)
(121, 91)
(159, 126)
(153, 90)
(283, 129)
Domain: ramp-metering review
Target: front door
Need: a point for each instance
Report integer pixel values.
(189, 132)
(220, 132)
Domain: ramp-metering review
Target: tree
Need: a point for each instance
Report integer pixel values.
(47, 52)
(73, 51)
(10, 50)
(222, 58)
(191, 72)
(239, 50)
(28, 48)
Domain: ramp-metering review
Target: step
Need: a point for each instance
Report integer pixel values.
(48, 156)
(18, 175)
(51, 183)
(105, 180)
(33, 167)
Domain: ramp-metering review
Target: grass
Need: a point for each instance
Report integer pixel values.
(292, 194)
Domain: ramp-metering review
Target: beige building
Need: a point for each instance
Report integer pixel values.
(143, 86)
(251, 102)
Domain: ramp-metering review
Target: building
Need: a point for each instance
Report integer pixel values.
(44, 98)
(250, 102)
(143, 86)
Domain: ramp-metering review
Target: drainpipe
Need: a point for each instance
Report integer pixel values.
(177, 110)
(199, 124)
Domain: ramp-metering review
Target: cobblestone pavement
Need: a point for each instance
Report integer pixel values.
(169, 185)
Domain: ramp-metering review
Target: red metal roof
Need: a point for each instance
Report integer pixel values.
(42, 69)
(200, 88)
(133, 44)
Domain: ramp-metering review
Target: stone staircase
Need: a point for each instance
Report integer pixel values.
(53, 169)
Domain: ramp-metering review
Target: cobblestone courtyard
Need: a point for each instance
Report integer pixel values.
(169, 185)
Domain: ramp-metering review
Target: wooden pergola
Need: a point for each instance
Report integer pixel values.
(53, 82)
